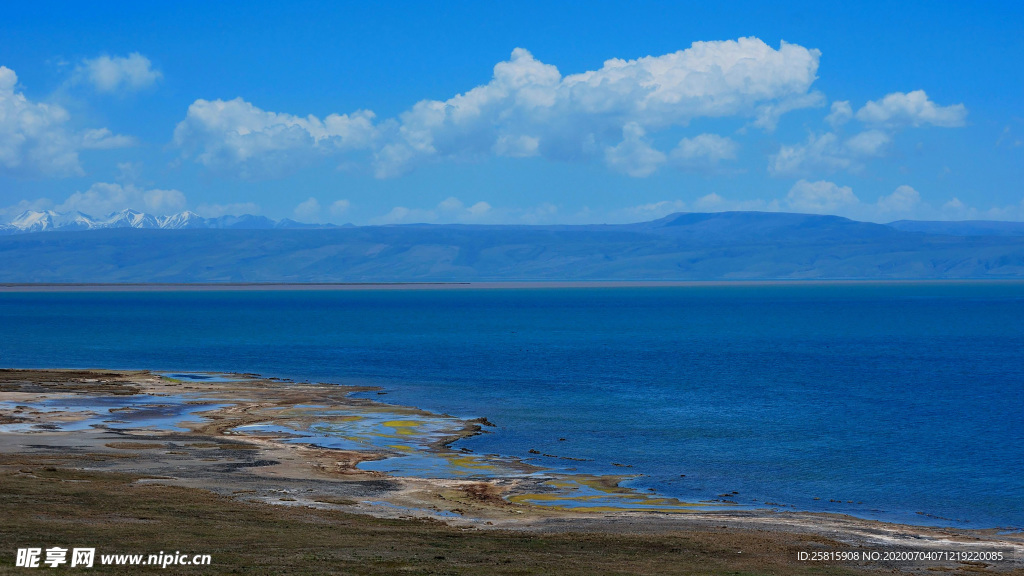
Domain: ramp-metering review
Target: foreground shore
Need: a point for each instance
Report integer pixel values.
(265, 477)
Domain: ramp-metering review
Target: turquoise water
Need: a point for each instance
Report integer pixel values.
(901, 402)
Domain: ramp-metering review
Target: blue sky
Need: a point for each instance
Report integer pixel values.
(524, 112)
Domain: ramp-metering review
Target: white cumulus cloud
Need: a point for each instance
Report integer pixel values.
(234, 136)
(768, 115)
(716, 203)
(840, 114)
(903, 200)
(824, 153)
(452, 209)
(867, 143)
(35, 137)
(117, 73)
(308, 210)
(824, 197)
(447, 211)
(821, 197)
(103, 198)
(634, 155)
(704, 151)
(339, 207)
(881, 120)
(234, 209)
(104, 139)
(911, 109)
(827, 153)
(528, 108)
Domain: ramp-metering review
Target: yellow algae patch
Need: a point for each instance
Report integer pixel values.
(331, 419)
(352, 418)
(601, 494)
(602, 484)
(602, 504)
(402, 423)
(403, 427)
(469, 463)
(607, 484)
(402, 447)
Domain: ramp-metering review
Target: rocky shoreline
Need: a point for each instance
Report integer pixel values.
(312, 447)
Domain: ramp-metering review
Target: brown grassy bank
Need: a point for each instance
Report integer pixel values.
(47, 506)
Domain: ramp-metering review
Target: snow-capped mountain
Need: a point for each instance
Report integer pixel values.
(32, 221)
(35, 221)
(129, 219)
(183, 220)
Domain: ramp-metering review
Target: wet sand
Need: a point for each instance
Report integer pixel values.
(307, 453)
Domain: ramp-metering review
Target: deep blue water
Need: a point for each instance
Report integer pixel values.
(902, 398)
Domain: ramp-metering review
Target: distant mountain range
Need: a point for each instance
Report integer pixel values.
(135, 247)
(49, 221)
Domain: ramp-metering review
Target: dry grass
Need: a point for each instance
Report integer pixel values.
(47, 506)
(134, 445)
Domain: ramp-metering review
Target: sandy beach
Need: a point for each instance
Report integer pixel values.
(93, 455)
